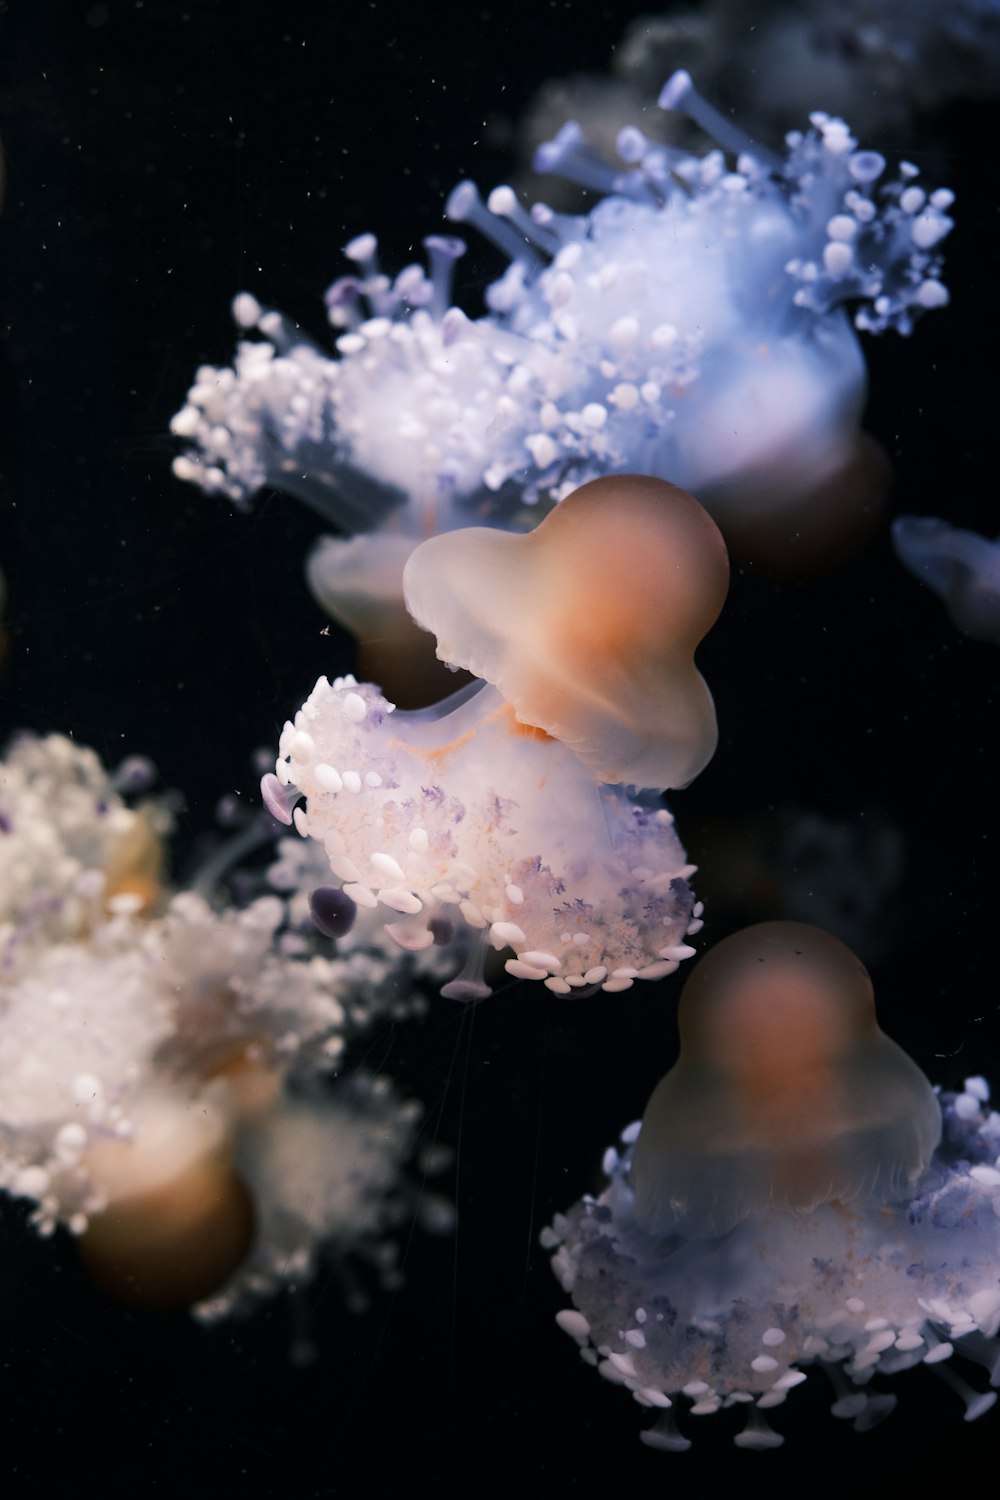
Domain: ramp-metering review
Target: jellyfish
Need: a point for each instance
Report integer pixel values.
(692, 326)
(962, 568)
(336, 1172)
(506, 807)
(796, 1196)
(161, 1060)
(111, 1046)
(375, 979)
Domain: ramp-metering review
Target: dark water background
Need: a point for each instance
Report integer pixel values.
(159, 158)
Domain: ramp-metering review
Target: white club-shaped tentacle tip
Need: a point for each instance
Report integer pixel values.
(676, 89)
(588, 625)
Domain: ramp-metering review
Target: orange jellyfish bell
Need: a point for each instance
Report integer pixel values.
(588, 624)
(786, 1093)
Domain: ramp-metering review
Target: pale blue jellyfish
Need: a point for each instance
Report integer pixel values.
(796, 1198)
(692, 326)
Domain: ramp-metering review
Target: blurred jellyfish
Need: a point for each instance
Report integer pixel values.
(168, 1217)
(788, 1201)
(144, 1027)
(333, 1175)
(962, 568)
(156, 1064)
(505, 807)
(692, 326)
(786, 1094)
(883, 62)
(71, 845)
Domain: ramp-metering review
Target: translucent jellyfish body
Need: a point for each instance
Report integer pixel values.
(962, 568)
(786, 1094)
(495, 808)
(881, 63)
(588, 626)
(691, 326)
(800, 1209)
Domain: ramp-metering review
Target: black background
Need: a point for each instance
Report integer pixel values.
(160, 158)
